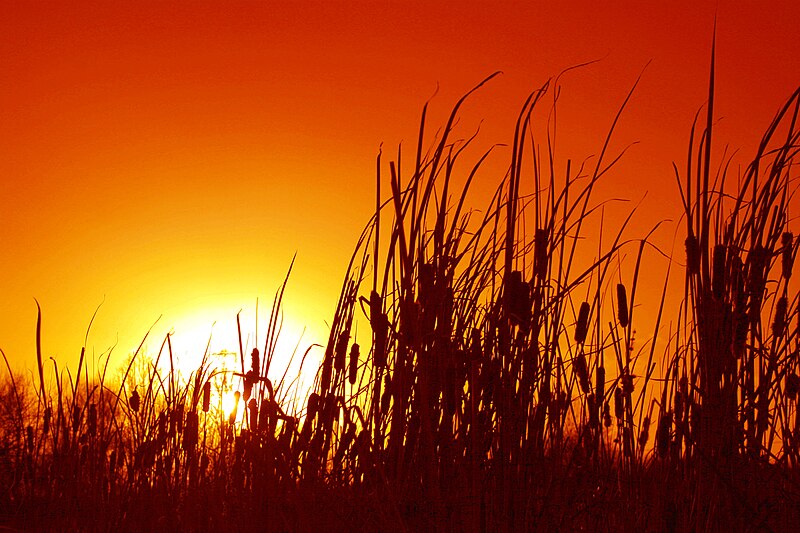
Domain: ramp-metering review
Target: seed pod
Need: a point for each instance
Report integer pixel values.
(663, 433)
(626, 383)
(718, 279)
(190, 431)
(380, 329)
(644, 434)
(779, 324)
(232, 417)
(386, 397)
(134, 401)
(582, 328)
(353, 368)
(206, 396)
(92, 419)
(29, 438)
(622, 306)
(787, 241)
(606, 415)
(341, 352)
(256, 362)
(582, 371)
(600, 383)
(540, 254)
(76, 418)
(252, 405)
(792, 386)
(692, 254)
(619, 405)
(249, 380)
(48, 414)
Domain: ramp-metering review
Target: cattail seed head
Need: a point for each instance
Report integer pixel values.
(91, 419)
(29, 438)
(600, 382)
(341, 352)
(134, 401)
(692, 255)
(48, 414)
(787, 258)
(779, 324)
(540, 254)
(645, 432)
(582, 328)
(206, 396)
(792, 386)
(190, 431)
(622, 306)
(663, 433)
(353, 367)
(252, 406)
(619, 404)
(256, 362)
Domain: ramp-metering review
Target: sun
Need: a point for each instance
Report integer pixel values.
(202, 338)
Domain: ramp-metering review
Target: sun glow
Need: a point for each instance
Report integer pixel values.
(196, 341)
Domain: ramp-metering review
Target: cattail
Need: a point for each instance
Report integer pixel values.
(663, 433)
(134, 401)
(380, 329)
(792, 386)
(190, 431)
(692, 255)
(341, 352)
(386, 397)
(252, 405)
(256, 362)
(600, 382)
(626, 383)
(206, 396)
(718, 278)
(540, 254)
(644, 435)
(76, 418)
(29, 438)
(581, 369)
(622, 306)
(787, 241)
(91, 419)
(779, 324)
(48, 414)
(112, 464)
(518, 299)
(353, 368)
(249, 380)
(606, 415)
(236, 396)
(582, 328)
(619, 405)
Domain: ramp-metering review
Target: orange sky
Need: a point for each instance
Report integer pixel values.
(171, 158)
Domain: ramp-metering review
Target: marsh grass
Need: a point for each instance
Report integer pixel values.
(501, 388)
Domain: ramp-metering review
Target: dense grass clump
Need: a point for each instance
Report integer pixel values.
(501, 389)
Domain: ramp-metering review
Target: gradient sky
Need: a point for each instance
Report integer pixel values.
(170, 159)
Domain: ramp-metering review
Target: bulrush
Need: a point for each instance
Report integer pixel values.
(133, 401)
(206, 396)
(622, 305)
(787, 257)
(582, 327)
(353, 366)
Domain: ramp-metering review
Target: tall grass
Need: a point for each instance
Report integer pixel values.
(502, 388)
